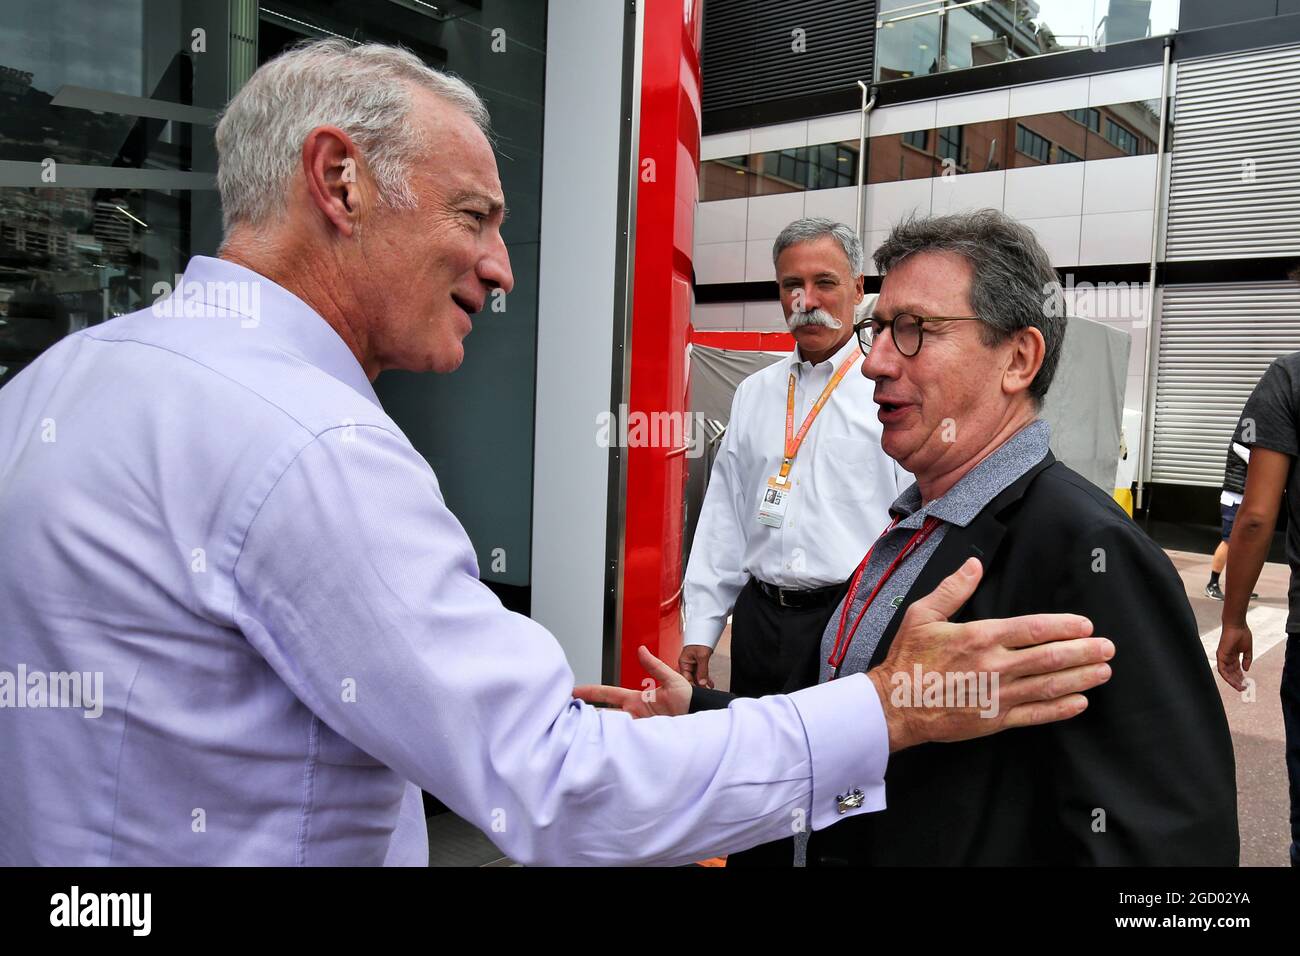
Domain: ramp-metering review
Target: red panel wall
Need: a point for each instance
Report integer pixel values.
(667, 187)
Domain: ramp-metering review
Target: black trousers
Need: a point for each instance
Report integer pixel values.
(773, 647)
(1291, 724)
(775, 650)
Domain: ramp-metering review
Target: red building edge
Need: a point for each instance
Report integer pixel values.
(667, 192)
(667, 187)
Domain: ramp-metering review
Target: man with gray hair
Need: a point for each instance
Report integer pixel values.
(962, 346)
(800, 486)
(207, 504)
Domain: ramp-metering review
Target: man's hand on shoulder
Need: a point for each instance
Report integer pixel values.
(1035, 668)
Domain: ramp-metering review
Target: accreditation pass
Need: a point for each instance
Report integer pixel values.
(775, 500)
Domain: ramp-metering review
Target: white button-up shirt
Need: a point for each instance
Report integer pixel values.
(279, 634)
(843, 484)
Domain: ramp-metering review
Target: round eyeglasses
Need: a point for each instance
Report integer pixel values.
(907, 329)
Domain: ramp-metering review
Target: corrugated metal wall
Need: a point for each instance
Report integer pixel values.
(1234, 193)
(1234, 188)
(749, 54)
(1216, 340)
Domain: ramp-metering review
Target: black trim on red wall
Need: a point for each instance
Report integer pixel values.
(782, 110)
(715, 292)
(1270, 269)
(1122, 272)
(723, 292)
(1267, 269)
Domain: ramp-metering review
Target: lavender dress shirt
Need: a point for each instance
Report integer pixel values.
(206, 514)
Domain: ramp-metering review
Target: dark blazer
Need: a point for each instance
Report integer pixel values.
(1144, 777)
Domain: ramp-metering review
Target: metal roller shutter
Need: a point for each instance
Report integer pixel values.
(747, 56)
(1215, 343)
(1233, 188)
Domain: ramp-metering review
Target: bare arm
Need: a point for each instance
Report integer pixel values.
(1251, 534)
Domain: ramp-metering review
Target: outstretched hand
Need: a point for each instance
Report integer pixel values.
(670, 697)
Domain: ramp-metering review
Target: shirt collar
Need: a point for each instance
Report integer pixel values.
(283, 319)
(981, 484)
(797, 361)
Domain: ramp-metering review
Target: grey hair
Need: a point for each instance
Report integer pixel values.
(1014, 285)
(812, 229)
(363, 90)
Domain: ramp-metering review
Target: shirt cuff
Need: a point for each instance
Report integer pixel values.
(848, 746)
(707, 633)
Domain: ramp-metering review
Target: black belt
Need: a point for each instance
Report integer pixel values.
(792, 597)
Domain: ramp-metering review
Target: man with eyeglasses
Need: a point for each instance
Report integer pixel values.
(209, 512)
(800, 486)
(962, 346)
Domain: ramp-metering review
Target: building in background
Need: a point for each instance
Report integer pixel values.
(116, 138)
(107, 188)
(1049, 110)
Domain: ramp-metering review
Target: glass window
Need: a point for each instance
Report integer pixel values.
(1031, 144)
(1067, 136)
(976, 35)
(75, 256)
(985, 146)
(950, 143)
(915, 37)
(1088, 117)
(1121, 137)
(890, 159)
(906, 44)
(824, 166)
(145, 202)
(724, 178)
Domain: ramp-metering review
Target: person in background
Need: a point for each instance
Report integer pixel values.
(1234, 485)
(962, 351)
(1268, 429)
(800, 485)
(205, 505)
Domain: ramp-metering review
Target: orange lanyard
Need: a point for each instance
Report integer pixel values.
(793, 441)
(841, 649)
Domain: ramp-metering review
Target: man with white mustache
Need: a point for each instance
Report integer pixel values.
(800, 487)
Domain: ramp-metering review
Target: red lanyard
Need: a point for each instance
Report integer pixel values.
(841, 648)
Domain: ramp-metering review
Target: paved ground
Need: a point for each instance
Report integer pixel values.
(1262, 802)
(1256, 726)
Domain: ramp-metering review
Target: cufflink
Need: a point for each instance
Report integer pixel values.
(850, 802)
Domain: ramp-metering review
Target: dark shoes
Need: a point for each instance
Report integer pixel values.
(1213, 591)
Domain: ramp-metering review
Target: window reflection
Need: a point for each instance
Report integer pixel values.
(824, 166)
(100, 203)
(133, 197)
(933, 36)
(1070, 136)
